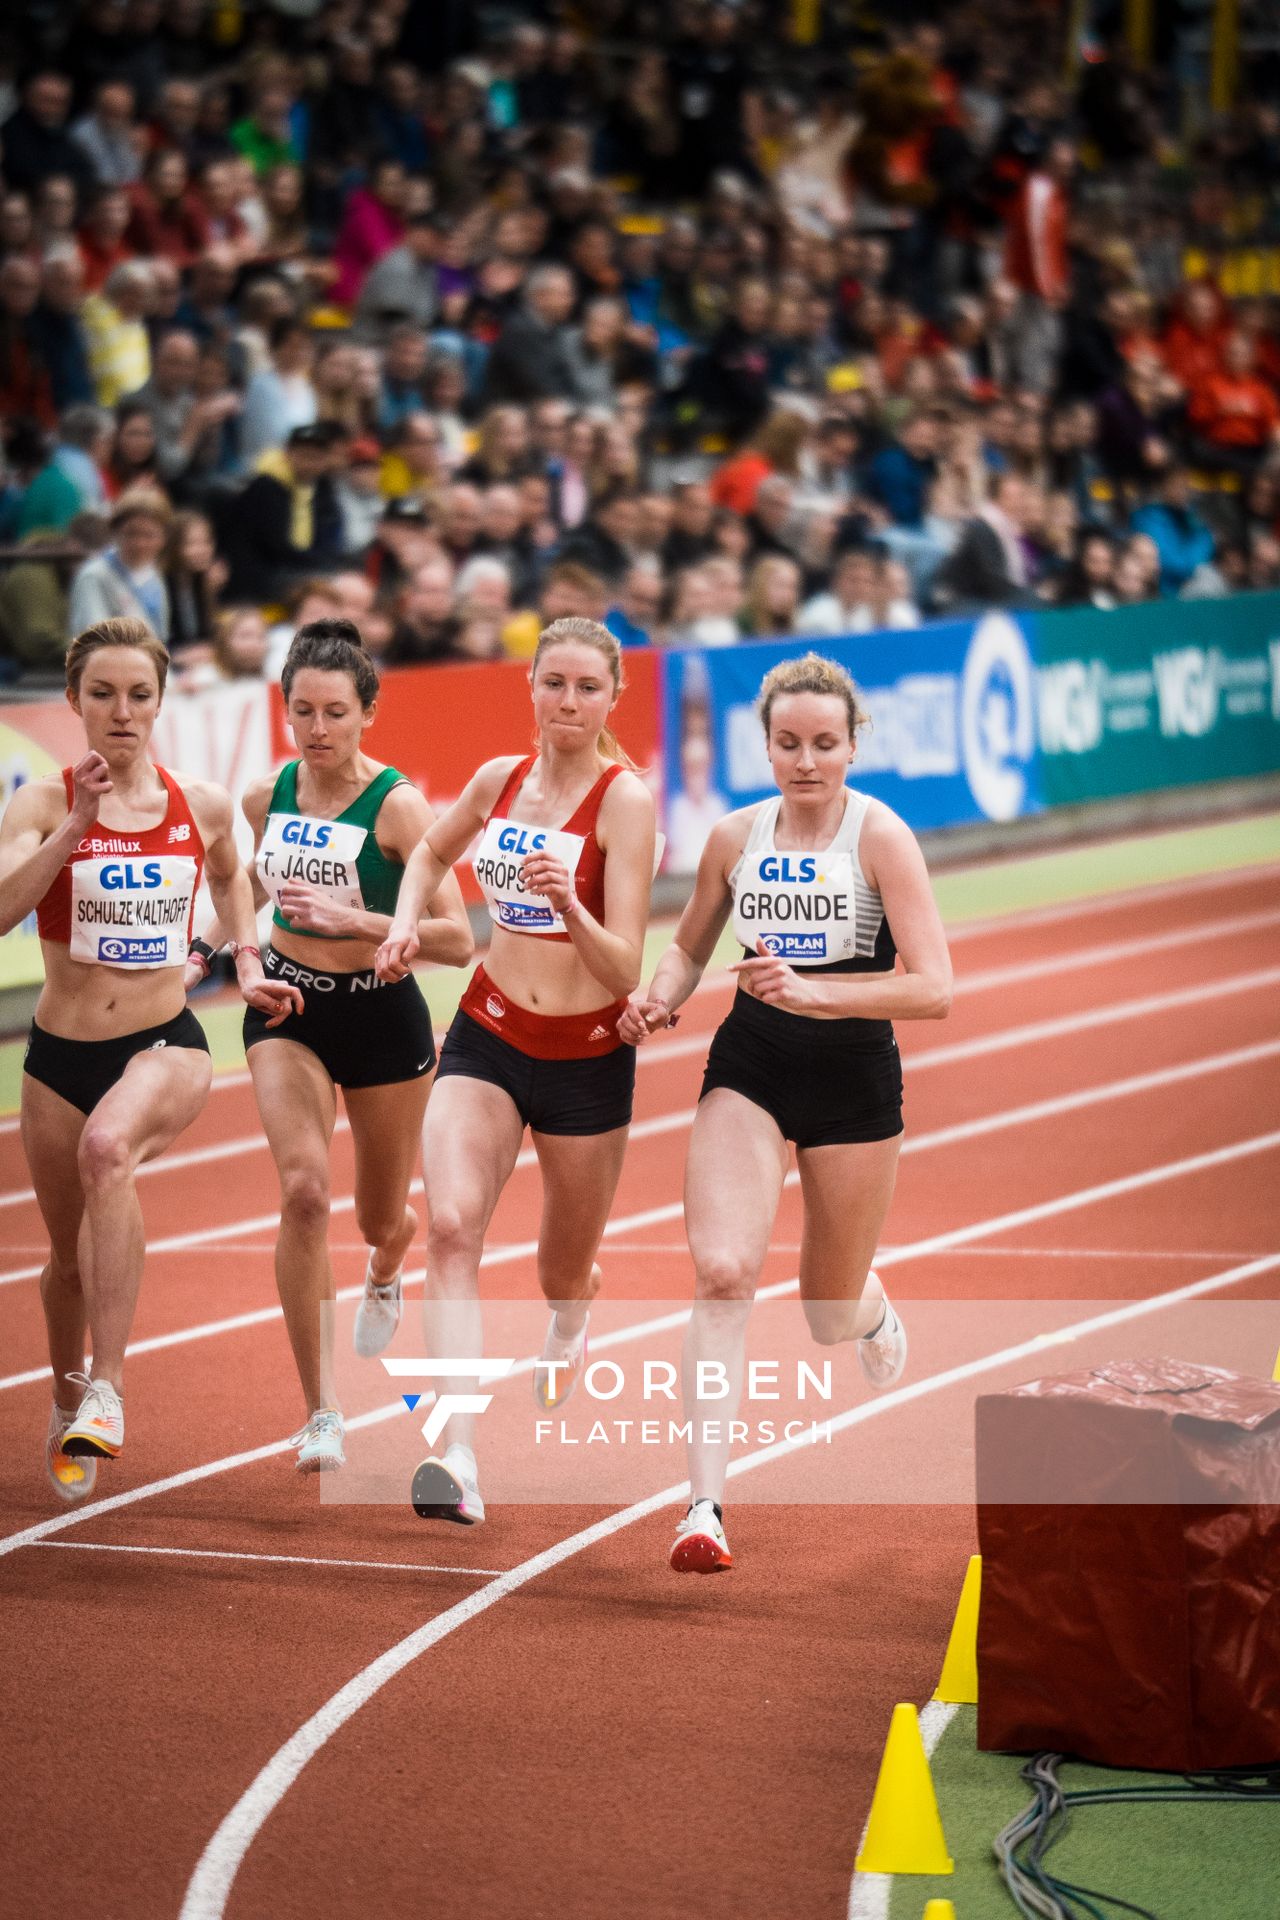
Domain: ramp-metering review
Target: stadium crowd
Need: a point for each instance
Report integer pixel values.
(458, 320)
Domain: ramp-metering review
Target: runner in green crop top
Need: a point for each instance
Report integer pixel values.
(332, 832)
(378, 875)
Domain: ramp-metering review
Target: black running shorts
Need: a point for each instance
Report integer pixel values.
(82, 1071)
(825, 1082)
(364, 1033)
(551, 1096)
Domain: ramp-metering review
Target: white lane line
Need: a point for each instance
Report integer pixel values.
(869, 1893)
(1108, 1253)
(625, 1223)
(1122, 900)
(218, 1865)
(956, 1236)
(1106, 956)
(270, 1559)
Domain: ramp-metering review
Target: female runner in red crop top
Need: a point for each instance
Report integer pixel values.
(566, 862)
(109, 854)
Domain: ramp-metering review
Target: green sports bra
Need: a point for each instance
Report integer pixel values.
(341, 856)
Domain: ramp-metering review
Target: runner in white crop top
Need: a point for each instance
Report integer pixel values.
(830, 896)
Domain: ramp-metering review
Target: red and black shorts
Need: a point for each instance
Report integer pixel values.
(564, 1074)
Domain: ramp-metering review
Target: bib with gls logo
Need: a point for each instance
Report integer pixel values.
(503, 846)
(801, 905)
(318, 853)
(132, 912)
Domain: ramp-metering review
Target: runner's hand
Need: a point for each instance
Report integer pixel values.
(543, 873)
(276, 998)
(769, 979)
(641, 1017)
(193, 973)
(311, 910)
(396, 955)
(90, 783)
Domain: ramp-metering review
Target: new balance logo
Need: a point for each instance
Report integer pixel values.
(447, 1404)
(181, 832)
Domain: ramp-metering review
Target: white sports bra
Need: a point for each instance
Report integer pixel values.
(811, 909)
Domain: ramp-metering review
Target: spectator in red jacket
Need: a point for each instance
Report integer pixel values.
(166, 219)
(1194, 338)
(101, 239)
(1036, 262)
(1235, 414)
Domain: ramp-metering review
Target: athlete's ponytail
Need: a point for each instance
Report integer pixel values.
(576, 629)
(332, 646)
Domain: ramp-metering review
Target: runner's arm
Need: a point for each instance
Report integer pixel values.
(612, 949)
(231, 891)
(442, 844)
(701, 924)
(33, 850)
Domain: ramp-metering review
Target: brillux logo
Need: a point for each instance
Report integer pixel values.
(446, 1404)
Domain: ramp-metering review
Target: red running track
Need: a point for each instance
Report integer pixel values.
(595, 1736)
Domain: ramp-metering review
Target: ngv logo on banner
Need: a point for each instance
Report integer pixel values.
(997, 717)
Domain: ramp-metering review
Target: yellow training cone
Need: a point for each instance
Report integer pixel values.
(939, 1910)
(1276, 1370)
(904, 1833)
(959, 1682)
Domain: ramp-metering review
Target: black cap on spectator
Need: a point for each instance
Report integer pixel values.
(319, 434)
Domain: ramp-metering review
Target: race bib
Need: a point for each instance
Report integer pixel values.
(319, 853)
(503, 846)
(801, 905)
(132, 912)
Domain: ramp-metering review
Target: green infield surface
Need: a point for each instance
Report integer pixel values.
(1018, 884)
(1216, 1861)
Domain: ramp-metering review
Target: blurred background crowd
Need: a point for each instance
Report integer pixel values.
(709, 318)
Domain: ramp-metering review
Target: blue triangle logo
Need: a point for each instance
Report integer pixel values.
(411, 1400)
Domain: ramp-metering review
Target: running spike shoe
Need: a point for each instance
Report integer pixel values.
(700, 1545)
(560, 1367)
(72, 1479)
(319, 1443)
(378, 1314)
(883, 1354)
(98, 1427)
(448, 1489)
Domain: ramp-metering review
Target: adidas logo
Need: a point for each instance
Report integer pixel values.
(598, 1033)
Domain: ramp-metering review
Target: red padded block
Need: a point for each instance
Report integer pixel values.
(1129, 1521)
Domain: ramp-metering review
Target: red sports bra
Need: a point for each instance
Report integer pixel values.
(588, 882)
(135, 893)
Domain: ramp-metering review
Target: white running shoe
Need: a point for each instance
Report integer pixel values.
(561, 1364)
(378, 1314)
(883, 1354)
(72, 1479)
(98, 1427)
(448, 1489)
(700, 1545)
(319, 1443)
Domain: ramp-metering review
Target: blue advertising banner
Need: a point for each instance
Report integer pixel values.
(952, 739)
